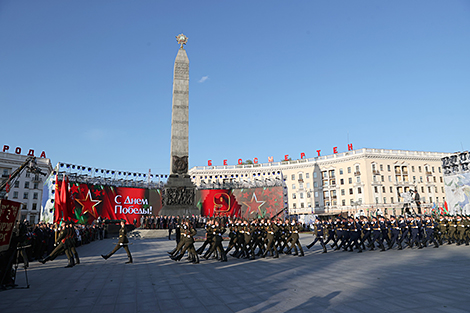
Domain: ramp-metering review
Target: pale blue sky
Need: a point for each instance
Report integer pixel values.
(90, 82)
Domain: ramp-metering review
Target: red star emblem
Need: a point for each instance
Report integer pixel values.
(74, 189)
(254, 205)
(88, 205)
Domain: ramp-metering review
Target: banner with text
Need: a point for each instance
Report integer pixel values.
(8, 214)
(109, 202)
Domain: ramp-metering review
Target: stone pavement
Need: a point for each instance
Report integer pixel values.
(427, 280)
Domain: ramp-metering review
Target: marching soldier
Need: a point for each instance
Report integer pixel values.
(123, 242)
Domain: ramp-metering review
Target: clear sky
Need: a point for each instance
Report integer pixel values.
(90, 82)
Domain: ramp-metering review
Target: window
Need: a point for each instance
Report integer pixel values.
(414, 178)
(429, 189)
(389, 178)
(377, 200)
(308, 185)
(315, 184)
(294, 205)
(294, 196)
(5, 172)
(307, 175)
(440, 179)
(350, 180)
(357, 168)
(293, 186)
(340, 171)
(376, 190)
(434, 178)
(35, 206)
(358, 179)
(341, 181)
(35, 196)
(391, 189)
(439, 168)
(28, 174)
(317, 204)
(302, 205)
(15, 195)
(293, 177)
(25, 195)
(308, 194)
(385, 200)
(324, 174)
(420, 179)
(430, 199)
(349, 170)
(17, 184)
(391, 200)
(422, 189)
(432, 168)
(326, 194)
(437, 199)
(435, 190)
(342, 192)
(301, 195)
(301, 186)
(383, 189)
(314, 174)
(35, 186)
(442, 189)
(350, 191)
(359, 190)
(300, 177)
(316, 194)
(381, 167)
(333, 193)
(351, 202)
(413, 169)
(419, 169)
(382, 178)
(343, 203)
(26, 184)
(389, 168)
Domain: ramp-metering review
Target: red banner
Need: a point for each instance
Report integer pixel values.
(248, 203)
(218, 202)
(114, 203)
(8, 214)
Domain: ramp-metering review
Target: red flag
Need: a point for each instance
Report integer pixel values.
(57, 208)
(65, 203)
(447, 208)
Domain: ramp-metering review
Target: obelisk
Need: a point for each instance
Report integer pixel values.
(179, 191)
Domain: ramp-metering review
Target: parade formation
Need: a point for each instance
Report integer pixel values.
(272, 237)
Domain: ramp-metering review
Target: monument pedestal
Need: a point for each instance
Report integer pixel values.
(179, 197)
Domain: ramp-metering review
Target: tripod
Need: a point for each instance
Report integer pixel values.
(14, 261)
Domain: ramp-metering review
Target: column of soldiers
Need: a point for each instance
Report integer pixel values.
(247, 239)
(272, 237)
(362, 233)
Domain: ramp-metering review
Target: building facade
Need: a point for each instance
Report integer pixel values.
(28, 187)
(362, 180)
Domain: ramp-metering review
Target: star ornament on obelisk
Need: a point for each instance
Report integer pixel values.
(182, 40)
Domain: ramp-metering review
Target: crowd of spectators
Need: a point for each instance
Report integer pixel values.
(170, 222)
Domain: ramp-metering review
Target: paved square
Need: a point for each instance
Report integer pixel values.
(427, 280)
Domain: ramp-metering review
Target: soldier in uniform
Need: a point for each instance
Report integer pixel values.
(270, 230)
(430, 228)
(415, 227)
(70, 242)
(376, 234)
(294, 239)
(123, 242)
(395, 233)
(319, 233)
(187, 237)
(354, 229)
(60, 246)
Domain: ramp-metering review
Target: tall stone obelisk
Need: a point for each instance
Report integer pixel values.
(179, 192)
